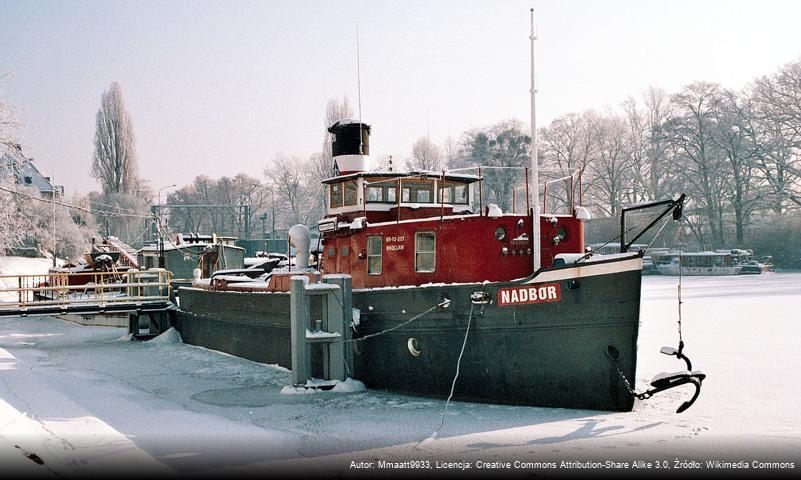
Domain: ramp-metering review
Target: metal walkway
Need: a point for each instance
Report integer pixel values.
(85, 293)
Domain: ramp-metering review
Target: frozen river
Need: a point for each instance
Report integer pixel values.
(84, 400)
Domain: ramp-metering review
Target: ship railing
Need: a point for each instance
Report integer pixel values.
(572, 179)
(100, 289)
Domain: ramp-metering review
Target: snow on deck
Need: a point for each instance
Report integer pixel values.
(84, 399)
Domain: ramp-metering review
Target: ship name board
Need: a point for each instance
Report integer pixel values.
(529, 294)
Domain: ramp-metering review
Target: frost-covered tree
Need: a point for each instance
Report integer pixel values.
(13, 224)
(124, 197)
(74, 227)
(8, 120)
(114, 163)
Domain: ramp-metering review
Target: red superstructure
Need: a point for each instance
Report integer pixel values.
(397, 229)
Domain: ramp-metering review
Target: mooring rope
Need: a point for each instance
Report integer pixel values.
(456, 376)
(681, 248)
(443, 303)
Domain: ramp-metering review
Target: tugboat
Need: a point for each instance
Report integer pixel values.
(440, 277)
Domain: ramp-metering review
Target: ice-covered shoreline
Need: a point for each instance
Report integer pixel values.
(85, 400)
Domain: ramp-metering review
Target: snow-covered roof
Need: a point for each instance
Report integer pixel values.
(24, 171)
(468, 178)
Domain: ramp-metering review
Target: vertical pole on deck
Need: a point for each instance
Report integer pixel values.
(514, 198)
(535, 177)
(299, 321)
(400, 192)
(527, 193)
(442, 197)
(480, 192)
(364, 196)
(571, 194)
(340, 353)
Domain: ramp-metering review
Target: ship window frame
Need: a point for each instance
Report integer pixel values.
(388, 194)
(336, 193)
(350, 193)
(449, 192)
(418, 253)
(371, 255)
(411, 192)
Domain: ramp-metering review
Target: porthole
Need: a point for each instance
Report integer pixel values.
(561, 232)
(414, 347)
(500, 233)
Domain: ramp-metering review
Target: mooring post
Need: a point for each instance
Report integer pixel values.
(299, 322)
(340, 314)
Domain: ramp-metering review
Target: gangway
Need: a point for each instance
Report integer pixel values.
(85, 293)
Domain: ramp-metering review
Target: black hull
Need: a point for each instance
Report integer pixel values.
(546, 354)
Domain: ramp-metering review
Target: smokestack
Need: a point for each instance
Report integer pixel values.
(350, 146)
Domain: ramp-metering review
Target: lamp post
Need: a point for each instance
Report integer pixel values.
(161, 238)
(272, 193)
(162, 188)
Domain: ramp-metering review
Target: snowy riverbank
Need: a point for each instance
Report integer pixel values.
(85, 400)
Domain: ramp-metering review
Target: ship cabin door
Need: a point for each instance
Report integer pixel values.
(345, 256)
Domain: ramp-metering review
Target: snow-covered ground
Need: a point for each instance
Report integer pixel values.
(85, 400)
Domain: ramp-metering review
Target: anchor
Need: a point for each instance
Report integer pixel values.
(666, 381)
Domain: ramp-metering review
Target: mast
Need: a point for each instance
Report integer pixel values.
(535, 172)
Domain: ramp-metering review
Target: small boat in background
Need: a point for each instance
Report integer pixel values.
(110, 255)
(696, 263)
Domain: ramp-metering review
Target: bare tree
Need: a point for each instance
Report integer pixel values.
(426, 155)
(237, 201)
(568, 146)
(776, 119)
(335, 110)
(612, 168)
(689, 133)
(292, 189)
(652, 175)
(734, 140)
(322, 166)
(114, 163)
(452, 151)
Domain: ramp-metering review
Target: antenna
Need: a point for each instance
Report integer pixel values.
(535, 173)
(359, 90)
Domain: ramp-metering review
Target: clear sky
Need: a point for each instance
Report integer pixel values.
(218, 88)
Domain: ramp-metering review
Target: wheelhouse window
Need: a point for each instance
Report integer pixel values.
(343, 194)
(336, 195)
(382, 194)
(460, 194)
(374, 254)
(455, 194)
(425, 252)
(418, 192)
(350, 193)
